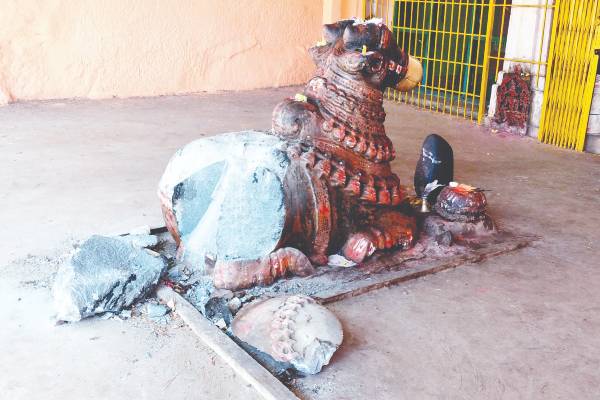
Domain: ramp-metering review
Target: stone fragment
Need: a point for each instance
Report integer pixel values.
(140, 240)
(336, 260)
(223, 197)
(218, 308)
(291, 329)
(199, 294)
(436, 163)
(234, 305)
(105, 274)
(436, 226)
(444, 239)
(158, 313)
(154, 310)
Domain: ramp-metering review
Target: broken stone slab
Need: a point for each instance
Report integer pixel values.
(158, 313)
(105, 274)
(223, 197)
(290, 329)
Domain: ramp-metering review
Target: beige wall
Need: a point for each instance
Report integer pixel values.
(335, 10)
(104, 48)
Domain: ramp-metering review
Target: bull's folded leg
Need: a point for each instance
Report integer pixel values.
(359, 246)
(241, 274)
(390, 229)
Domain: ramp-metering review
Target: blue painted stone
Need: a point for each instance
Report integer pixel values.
(228, 196)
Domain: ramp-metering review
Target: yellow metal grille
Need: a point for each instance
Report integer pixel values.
(461, 44)
(572, 74)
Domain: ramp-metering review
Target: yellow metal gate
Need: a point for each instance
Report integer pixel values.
(461, 44)
(572, 73)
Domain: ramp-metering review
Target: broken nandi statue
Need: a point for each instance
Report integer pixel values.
(250, 207)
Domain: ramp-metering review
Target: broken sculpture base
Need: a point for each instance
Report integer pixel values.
(330, 284)
(386, 268)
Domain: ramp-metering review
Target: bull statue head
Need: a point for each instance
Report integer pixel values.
(367, 50)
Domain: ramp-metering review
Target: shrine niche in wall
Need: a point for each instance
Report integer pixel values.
(513, 101)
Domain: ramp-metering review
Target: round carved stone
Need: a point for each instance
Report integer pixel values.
(294, 329)
(458, 202)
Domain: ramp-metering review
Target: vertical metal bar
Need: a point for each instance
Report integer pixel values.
(564, 51)
(557, 72)
(405, 43)
(420, 55)
(503, 8)
(490, 9)
(550, 73)
(587, 74)
(384, 11)
(416, 45)
(468, 66)
(575, 75)
(411, 36)
(450, 37)
(456, 40)
(587, 99)
(486, 62)
(385, 8)
(560, 105)
(442, 32)
(434, 32)
(539, 66)
(565, 134)
(462, 59)
(566, 84)
(396, 27)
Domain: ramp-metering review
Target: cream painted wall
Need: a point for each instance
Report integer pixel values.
(335, 10)
(104, 48)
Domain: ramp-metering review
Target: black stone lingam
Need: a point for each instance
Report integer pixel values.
(436, 163)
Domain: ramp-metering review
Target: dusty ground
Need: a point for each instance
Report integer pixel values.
(523, 325)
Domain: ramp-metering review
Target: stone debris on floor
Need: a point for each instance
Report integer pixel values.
(105, 275)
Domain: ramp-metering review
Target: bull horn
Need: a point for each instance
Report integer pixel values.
(413, 77)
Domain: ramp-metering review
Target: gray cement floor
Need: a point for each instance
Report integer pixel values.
(524, 325)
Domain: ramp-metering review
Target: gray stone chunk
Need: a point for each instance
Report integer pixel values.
(227, 197)
(139, 240)
(105, 274)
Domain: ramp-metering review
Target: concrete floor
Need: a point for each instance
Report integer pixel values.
(523, 325)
